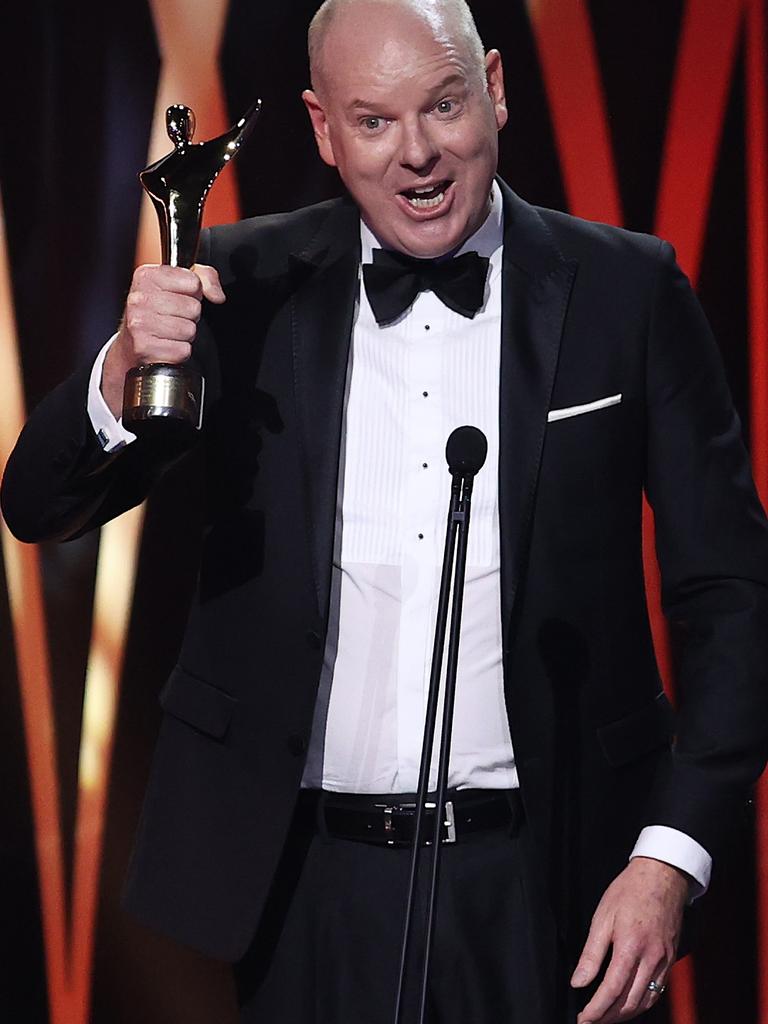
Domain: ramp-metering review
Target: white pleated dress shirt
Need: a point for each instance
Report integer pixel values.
(409, 384)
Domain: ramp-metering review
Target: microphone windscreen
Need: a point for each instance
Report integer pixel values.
(465, 451)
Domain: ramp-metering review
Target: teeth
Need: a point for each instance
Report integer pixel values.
(425, 204)
(425, 189)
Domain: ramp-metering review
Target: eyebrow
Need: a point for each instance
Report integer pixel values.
(436, 90)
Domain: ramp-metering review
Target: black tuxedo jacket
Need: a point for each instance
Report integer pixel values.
(588, 312)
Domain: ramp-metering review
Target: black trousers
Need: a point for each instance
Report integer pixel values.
(327, 950)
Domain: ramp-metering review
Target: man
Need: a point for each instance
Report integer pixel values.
(587, 362)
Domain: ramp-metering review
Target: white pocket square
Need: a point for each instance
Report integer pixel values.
(579, 410)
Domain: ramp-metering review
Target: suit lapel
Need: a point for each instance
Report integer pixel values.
(322, 312)
(537, 287)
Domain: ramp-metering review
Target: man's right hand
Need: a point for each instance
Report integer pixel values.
(159, 323)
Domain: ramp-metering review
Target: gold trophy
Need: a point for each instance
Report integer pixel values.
(178, 185)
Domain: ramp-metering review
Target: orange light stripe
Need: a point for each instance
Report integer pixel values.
(25, 595)
(706, 56)
(571, 76)
(115, 576)
(757, 224)
(189, 37)
(708, 45)
(653, 594)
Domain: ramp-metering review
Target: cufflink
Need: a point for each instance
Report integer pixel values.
(103, 439)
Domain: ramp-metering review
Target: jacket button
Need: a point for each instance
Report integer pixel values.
(314, 640)
(297, 745)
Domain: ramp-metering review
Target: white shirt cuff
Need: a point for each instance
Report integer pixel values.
(111, 433)
(674, 847)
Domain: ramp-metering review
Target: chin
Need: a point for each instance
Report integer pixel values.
(432, 248)
(432, 243)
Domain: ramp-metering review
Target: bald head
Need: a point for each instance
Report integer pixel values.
(408, 108)
(450, 21)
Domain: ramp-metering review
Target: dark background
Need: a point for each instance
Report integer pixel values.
(79, 87)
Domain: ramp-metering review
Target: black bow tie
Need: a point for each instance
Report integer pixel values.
(393, 281)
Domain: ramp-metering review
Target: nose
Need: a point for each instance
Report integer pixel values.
(419, 150)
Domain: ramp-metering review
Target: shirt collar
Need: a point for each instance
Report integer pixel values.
(486, 241)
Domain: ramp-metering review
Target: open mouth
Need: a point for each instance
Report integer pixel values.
(427, 197)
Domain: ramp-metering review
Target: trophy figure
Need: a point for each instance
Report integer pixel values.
(178, 185)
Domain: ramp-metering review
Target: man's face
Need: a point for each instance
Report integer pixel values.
(411, 124)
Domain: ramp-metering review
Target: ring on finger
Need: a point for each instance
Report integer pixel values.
(656, 987)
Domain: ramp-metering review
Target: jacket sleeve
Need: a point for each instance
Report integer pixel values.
(59, 483)
(712, 548)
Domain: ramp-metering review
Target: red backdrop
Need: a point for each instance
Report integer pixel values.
(652, 115)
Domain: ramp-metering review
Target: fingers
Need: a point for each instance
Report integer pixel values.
(179, 280)
(163, 308)
(140, 304)
(201, 280)
(653, 968)
(175, 345)
(605, 1005)
(651, 996)
(209, 279)
(161, 326)
(624, 993)
(595, 951)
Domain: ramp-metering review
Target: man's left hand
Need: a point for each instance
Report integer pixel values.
(639, 918)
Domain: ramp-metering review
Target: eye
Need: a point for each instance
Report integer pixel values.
(372, 124)
(445, 107)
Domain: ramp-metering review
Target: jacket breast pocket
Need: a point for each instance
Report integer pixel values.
(648, 728)
(192, 700)
(584, 408)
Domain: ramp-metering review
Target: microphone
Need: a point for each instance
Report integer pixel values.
(465, 451)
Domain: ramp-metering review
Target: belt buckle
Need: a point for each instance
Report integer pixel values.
(389, 825)
(388, 811)
(390, 830)
(448, 823)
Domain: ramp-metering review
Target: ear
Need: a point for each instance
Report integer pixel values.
(319, 121)
(494, 74)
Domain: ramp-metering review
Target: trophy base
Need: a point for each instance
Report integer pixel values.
(165, 395)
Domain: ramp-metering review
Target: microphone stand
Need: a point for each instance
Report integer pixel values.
(455, 546)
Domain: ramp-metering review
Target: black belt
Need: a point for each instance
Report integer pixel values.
(389, 819)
